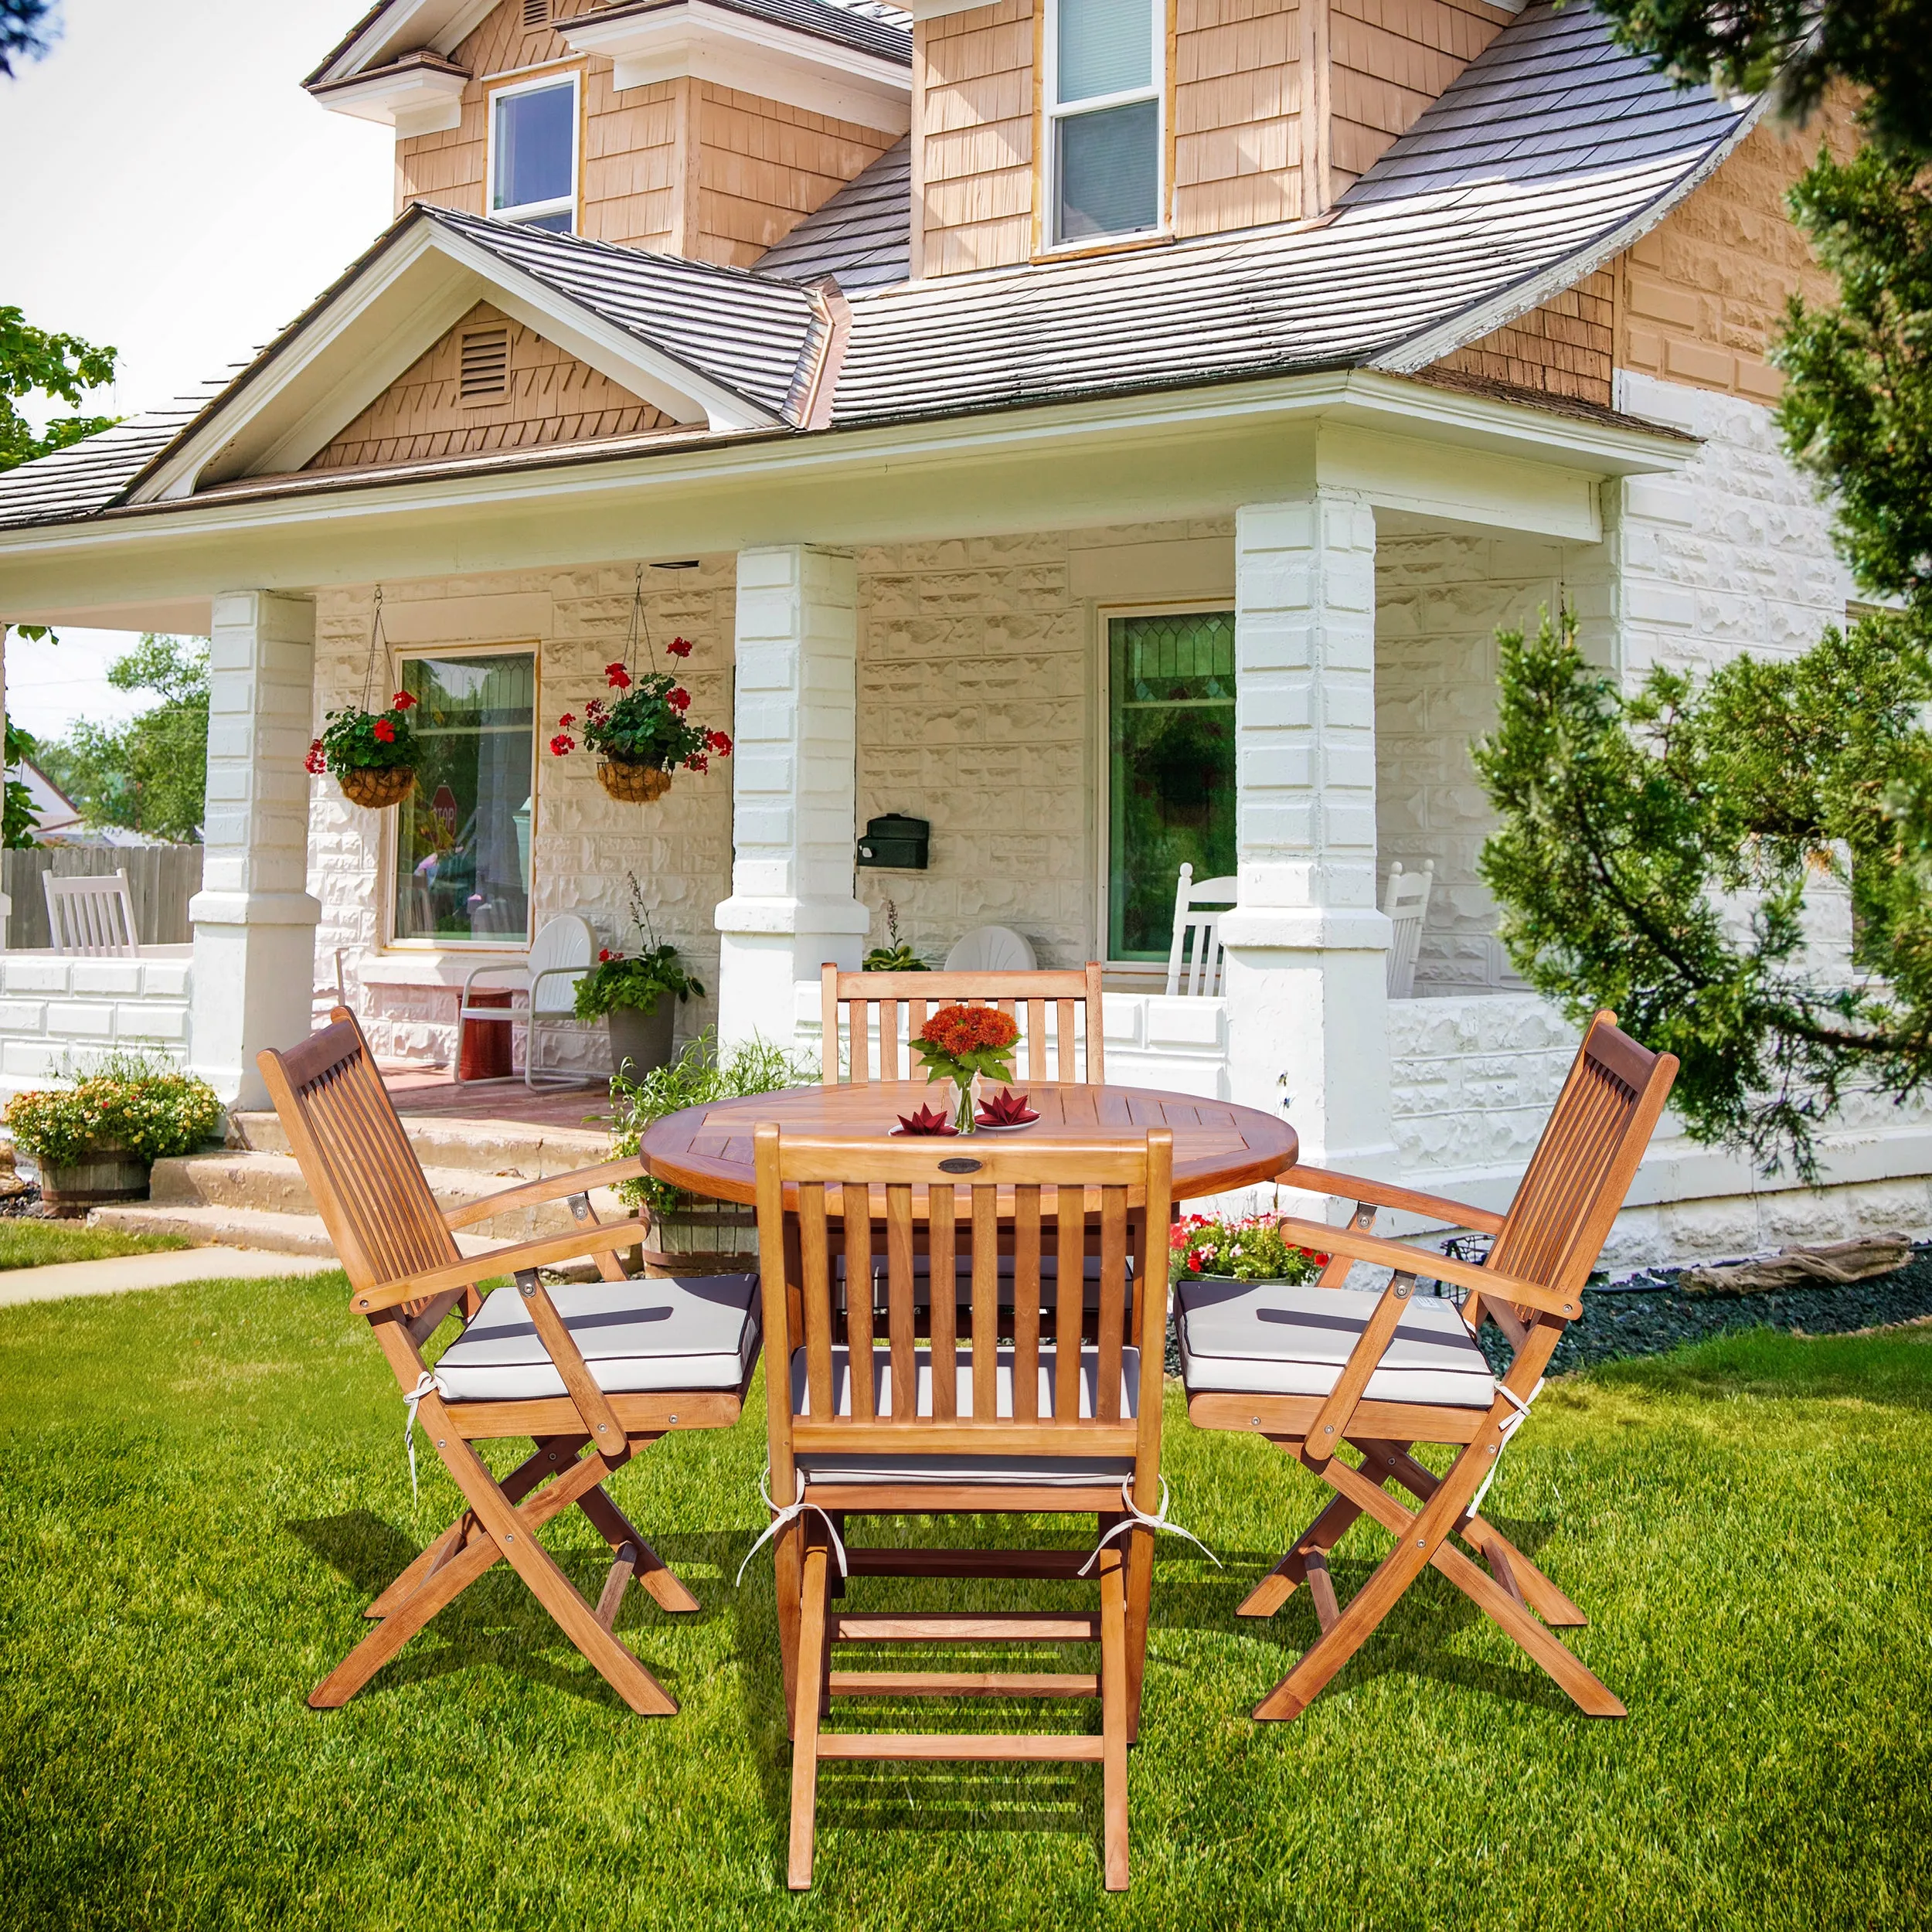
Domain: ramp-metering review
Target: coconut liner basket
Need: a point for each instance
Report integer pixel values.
(373, 786)
(633, 785)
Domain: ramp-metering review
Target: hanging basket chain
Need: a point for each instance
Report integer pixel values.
(375, 636)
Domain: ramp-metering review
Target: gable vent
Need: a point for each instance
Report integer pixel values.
(485, 376)
(536, 13)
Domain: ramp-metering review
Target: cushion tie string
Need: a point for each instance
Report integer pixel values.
(1138, 1517)
(1506, 1428)
(426, 1384)
(790, 1513)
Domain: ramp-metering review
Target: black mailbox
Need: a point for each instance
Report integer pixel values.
(895, 841)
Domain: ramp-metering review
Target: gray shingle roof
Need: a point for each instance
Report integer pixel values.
(88, 476)
(862, 236)
(870, 30)
(1551, 149)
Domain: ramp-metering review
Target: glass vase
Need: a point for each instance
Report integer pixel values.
(964, 1120)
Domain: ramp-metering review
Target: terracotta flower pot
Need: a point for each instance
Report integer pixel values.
(107, 1174)
(373, 786)
(642, 1038)
(633, 785)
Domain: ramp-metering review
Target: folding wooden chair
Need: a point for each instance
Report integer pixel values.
(963, 1422)
(892, 1007)
(591, 1374)
(1313, 1368)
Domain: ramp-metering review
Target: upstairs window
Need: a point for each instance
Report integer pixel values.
(1104, 118)
(533, 154)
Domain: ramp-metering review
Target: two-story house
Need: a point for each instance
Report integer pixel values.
(1110, 430)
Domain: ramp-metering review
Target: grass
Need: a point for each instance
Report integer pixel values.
(204, 1485)
(26, 1244)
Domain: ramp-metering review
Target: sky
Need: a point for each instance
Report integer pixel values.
(166, 186)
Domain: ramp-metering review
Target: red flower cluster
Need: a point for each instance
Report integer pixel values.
(315, 762)
(593, 711)
(561, 743)
(678, 698)
(567, 720)
(697, 762)
(402, 702)
(385, 732)
(604, 955)
(720, 742)
(618, 678)
(958, 1030)
(679, 647)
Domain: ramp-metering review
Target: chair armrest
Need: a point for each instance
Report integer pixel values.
(1486, 1282)
(1349, 1187)
(545, 1253)
(479, 972)
(534, 1193)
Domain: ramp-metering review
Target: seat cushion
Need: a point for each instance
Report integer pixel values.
(898, 1466)
(1263, 1338)
(700, 1332)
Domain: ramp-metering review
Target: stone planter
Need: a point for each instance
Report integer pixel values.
(643, 1039)
(108, 1174)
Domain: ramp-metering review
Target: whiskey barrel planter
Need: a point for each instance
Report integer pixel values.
(703, 1238)
(108, 1174)
(633, 785)
(375, 786)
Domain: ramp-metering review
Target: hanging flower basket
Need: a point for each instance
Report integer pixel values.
(633, 785)
(375, 786)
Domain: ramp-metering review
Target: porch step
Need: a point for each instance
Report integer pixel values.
(207, 1225)
(506, 1151)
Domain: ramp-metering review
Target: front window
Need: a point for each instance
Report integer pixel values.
(463, 836)
(533, 162)
(1105, 110)
(1170, 769)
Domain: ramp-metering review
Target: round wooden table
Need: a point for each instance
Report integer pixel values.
(707, 1149)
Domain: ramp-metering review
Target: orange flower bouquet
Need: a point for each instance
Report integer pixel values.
(960, 1043)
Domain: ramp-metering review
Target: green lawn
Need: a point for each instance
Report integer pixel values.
(203, 1486)
(36, 1244)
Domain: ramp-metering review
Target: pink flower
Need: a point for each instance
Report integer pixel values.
(618, 678)
(561, 743)
(720, 742)
(678, 698)
(679, 648)
(385, 732)
(402, 702)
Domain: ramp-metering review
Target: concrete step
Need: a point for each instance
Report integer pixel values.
(507, 1150)
(207, 1224)
(243, 1180)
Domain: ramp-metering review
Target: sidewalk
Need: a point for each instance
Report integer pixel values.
(124, 1272)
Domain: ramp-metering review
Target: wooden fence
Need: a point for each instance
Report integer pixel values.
(161, 879)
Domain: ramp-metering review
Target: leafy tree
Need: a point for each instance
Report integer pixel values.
(27, 30)
(18, 822)
(33, 361)
(151, 773)
(1797, 47)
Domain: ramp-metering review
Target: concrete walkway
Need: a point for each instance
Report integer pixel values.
(123, 1272)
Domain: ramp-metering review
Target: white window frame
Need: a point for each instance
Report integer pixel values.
(390, 866)
(561, 205)
(1055, 113)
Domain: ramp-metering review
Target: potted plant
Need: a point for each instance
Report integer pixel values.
(628, 993)
(896, 956)
(690, 1235)
(1249, 1248)
(642, 734)
(960, 1043)
(372, 755)
(94, 1141)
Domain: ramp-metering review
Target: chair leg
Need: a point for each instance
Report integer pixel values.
(1140, 1594)
(787, 1563)
(654, 1574)
(1279, 1584)
(811, 1686)
(1113, 1715)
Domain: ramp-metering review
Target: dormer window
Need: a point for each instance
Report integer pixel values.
(533, 153)
(1103, 93)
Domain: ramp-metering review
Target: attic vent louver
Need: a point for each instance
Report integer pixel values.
(536, 13)
(485, 376)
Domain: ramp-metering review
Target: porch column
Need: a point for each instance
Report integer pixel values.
(794, 788)
(1307, 1006)
(254, 920)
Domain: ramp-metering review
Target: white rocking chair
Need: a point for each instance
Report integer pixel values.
(1197, 974)
(92, 915)
(560, 956)
(1406, 902)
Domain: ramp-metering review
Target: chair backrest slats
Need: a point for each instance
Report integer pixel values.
(365, 1178)
(1405, 903)
(854, 1008)
(92, 915)
(1581, 1171)
(1085, 1191)
(1194, 959)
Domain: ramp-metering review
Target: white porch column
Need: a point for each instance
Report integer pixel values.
(1307, 1006)
(794, 788)
(254, 920)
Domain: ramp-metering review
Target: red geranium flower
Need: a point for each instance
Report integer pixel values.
(679, 647)
(593, 711)
(619, 678)
(567, 720)
(315, 762)
(561, 743)
(697, 762)
(604, 955)
(720, 742)
(401, 701)
(385, 732)
(678, 698)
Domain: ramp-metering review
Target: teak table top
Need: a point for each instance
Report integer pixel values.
(707, 1149)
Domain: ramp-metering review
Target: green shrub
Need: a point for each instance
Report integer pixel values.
(139, 1103)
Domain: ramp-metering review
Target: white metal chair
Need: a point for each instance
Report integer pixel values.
(991, 949)
(1407, 903)
(93, 915)
(560, 956)
(1197, 973)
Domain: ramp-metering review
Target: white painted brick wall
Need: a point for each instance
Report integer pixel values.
(59, 1015)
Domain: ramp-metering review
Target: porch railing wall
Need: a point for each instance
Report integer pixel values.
(161, 879)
